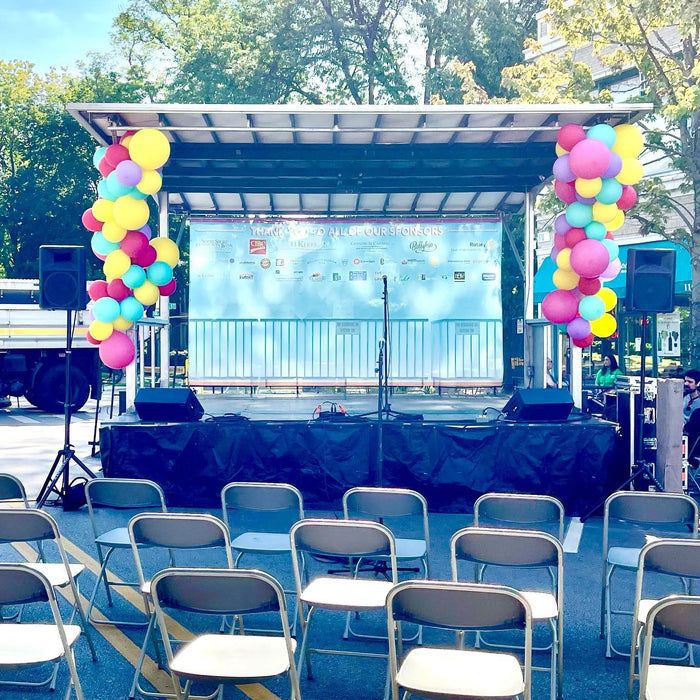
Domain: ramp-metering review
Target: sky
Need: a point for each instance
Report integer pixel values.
(55, 33)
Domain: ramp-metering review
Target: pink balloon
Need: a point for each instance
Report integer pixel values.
(565, 191)
(146, 257)
(578, 328)
(583, 342)
(589, 286)
(97, 290)
(118, 290)
(90, 222)
(559, 242)
(611, 271)
(561, 225)
(589, 158)
(99, 256)
(574, 236)
(133, 243)
(613, 170)
(104, 167)
(115, 154)
(117, 351)
(569, 135)
(90, 339)
(167, 289)
(627, 200)
(589, 258)
(560, 306)
(562, 169)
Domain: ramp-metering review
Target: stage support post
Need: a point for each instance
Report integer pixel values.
(529, 282)
(576, 378)
(163, 302)
(669, 433)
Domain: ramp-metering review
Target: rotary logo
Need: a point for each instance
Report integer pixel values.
(265, 263)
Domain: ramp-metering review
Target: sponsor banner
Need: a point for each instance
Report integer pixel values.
(444, 269)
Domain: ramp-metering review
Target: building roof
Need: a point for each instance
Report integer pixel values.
(368, 160)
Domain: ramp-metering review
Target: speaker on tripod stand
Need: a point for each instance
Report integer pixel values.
(63, 286)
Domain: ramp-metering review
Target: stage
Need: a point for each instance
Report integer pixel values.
(450, 459)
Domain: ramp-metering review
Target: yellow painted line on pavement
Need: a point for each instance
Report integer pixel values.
(158, 678)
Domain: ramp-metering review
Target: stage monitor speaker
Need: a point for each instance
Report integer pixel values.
(539, 405)
(62, 277)
(178, 405)
(651, 279)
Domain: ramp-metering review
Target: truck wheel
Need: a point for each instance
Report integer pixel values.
(50, 389)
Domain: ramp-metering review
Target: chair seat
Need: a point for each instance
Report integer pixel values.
(542, 604)
(236, 657)
(407, 549)
(624, 557)
(56, 573)
(262, 543)
(673, 682)
(346, 594)
(118, 538)
(461, 673)
(22, 644)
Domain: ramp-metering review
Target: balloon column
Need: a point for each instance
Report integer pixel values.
(138, 269)
(594, 176)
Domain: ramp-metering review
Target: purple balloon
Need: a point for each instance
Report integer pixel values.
(579, 328)
(561, 225)
(128, 173)
(562, 170)
(585, 200)
(615, 166)
(146, 230)
(611, 271)
(554, 254)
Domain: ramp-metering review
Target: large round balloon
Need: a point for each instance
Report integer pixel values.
(578, 328)
(628, 198)
(161, 273)
(146, 257)
(113, 232)
(103, 210)
(116, 264)
(151, 181)
(569, 135)
(610, 191)
(608, 296)
(574, 236)
(562, 170)
(591, 307)
(632, 172)
(149, 148)
(133, 243)
(589, 158)
(130, 213)
(134, 277)
(629, 142)
(565, 279)
(560, 306)
(588, 285)
(147, 293)
(604, 212)
(167, 289)
(100, 245)
(611, 271)
(579, 215)
(105, 309)
(128, 173)
(565, 191)
(131, 309)
(589, 258)
(588, 188)
(605, 326)
(563, 259)
(118, 290)
(115, 154)
(90, 222)
(97, 290)
(121, 324)
(117, 351)
(583, 342)
(100, 330)
(602, 132)
(166, 250)
(596, 230)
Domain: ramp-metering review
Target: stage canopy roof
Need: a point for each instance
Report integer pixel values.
(348, 160)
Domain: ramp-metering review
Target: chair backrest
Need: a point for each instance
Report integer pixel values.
(20, 584)
(126, 494)
(273, 506)
(531, 511)
(27, 525)
(389, 505)
(673, 557)
(12, 489)
(177, 531)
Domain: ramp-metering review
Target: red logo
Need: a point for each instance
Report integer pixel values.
(257, 246)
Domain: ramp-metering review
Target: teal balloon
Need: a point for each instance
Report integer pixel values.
(131, 309)
(99, 153)
(121, 190)
(591, 307)
(160, 273)
(595, 230)
(579, 215)
(561, 327)
(604, 133)
(104, 190)
(101, 245)
(137, 194)
(106, 309)
(613, 248)
(610, 191)
(134, 277)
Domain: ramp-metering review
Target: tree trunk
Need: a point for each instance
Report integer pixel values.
(694, 339)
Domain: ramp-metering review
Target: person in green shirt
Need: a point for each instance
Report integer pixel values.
(608, 373)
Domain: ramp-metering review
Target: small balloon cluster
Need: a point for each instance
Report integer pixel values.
(594, 176)
(138, 270)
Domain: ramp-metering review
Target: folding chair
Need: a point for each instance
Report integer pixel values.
(458, 673)
(228, 658)
(348, 539)
(12, 489)
(677, 618)
(111, 503)
(159, 536)
(643, 512)
(520, 550)
(404, 512)
(33, 645)
(670, 557)
(522, 511)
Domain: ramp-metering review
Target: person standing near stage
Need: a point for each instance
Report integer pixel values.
(550, 380)
(691, 389)
(608, 372)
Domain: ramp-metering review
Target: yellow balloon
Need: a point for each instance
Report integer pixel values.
(116, 264)
(121, 324)
(147, 293)
(565, 279)
(150, 183)
(604, 213)
(559, 150)
(604, 326)
(564, 259)
(588, 188)
(617, 222)
(166, 250)
(608, 296)
(102, 209)
(131, 213)
(113, 232)
(631, 173)
(149, 148)
(629, 142)
(100, 330)
(126, 140)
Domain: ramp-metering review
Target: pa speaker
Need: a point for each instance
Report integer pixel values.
(62, 277)
(651, 279)
(543, 405)
(178, 405)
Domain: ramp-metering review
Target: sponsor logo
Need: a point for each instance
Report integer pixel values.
(378, 275)
(279, 262)
(337, 277)
(460, 276)
(423, 246)
(421, 276)
(265, 263)
(488, 276)
(245, 276)
(257, 246)
(356, 261)
(316, 276)
(358, 276)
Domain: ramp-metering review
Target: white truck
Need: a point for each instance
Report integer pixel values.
(33, 350)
